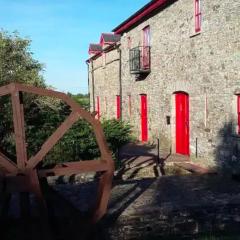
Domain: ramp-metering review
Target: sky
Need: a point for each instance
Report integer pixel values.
(61, 31)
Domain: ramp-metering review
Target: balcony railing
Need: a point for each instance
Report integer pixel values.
(139, 59)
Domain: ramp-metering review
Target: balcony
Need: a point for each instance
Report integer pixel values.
(139, 59)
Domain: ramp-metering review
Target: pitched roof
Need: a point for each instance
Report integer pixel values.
(110, 38)
(94, 48)
(109, 48)
(141, 14)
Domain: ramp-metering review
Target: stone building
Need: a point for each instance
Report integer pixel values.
(173, 73)
(104, 67)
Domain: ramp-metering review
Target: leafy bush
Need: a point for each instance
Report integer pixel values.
(117, 133)
(80, 142)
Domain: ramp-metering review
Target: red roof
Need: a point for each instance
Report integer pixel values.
(139, 15)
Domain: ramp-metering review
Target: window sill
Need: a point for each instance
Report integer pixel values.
(195, 34)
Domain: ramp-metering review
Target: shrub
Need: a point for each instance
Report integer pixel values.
(117, 133)
(80, 142)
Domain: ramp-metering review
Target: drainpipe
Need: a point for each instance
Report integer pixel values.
(120, 80)
(88, 84)
(93, 87)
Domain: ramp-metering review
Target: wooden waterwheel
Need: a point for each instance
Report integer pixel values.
(23, 174)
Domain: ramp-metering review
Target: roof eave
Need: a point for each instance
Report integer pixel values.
(107, 49)
(136, 17)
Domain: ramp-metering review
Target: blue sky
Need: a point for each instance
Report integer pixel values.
(61, 31)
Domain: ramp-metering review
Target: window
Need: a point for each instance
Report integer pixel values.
(118, 106)
(198, 16)
(129, 106)
(129, 42)
(139, 57)
(146, 36)
(145, 49)
(105, 104)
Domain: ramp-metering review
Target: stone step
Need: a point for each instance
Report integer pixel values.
(172, 158)
(194, 168)
(136, 172)
(138, 161)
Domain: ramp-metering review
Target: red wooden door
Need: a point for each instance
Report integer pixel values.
(98, 107)
(144, 119)
(118, 107)
(182, 123)
(238, 112)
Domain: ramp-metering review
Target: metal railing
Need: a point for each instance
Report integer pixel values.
(140, 59)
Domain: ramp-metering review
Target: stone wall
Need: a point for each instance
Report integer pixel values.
(106, 83)
(206, 66)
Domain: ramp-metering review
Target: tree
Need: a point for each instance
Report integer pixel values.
(44, 114)
(18, 65)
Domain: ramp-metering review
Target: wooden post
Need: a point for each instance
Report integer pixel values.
(103, 196)
(25, 175)
(19, 130)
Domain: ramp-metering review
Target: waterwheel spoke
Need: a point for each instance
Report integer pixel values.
(53, 139)
(19, 128)
(7, 164)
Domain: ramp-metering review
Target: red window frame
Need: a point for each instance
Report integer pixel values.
(130, 105)
(145, 49)
(238, 113)
(198, 16)
(105, 104)
(118, 107)
(146, 36)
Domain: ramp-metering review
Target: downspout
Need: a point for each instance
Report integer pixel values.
(88, 84)
(93, 87)
(120, 80)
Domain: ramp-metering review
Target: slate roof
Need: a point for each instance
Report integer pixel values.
(110, 37)
(95, 47)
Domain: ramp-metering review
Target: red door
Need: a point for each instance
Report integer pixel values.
(238, 112)
(118, 101)
(182, 123)
(144, 118)
(98, 107)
